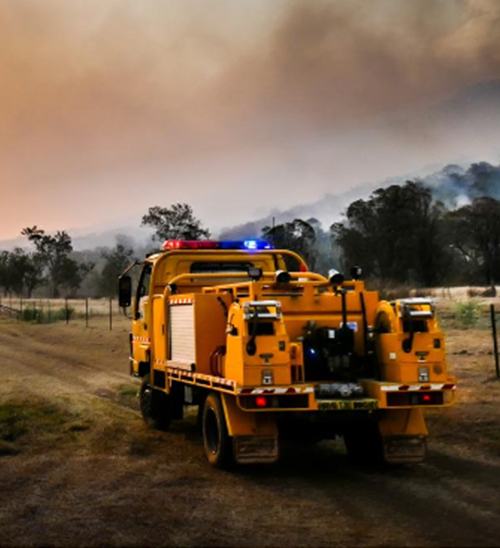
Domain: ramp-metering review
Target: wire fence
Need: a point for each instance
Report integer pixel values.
(46, 311)
(462, 314)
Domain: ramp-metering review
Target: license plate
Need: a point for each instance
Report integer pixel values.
(348, 405)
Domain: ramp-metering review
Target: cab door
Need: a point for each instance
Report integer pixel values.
(141, 328)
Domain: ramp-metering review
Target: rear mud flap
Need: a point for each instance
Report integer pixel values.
(255, 449)
(404, 449)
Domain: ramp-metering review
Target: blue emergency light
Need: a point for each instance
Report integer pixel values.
(251, 245)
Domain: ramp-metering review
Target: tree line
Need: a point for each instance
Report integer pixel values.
(399, 234)
(51, 266)
(54, 268)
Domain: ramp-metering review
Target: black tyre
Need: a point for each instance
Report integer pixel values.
(156, 406)
(216, 440)
(364, 443)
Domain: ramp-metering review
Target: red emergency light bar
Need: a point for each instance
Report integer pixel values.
(250, 245)
(190, 244)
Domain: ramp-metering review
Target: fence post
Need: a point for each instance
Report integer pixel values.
(495, 342)
(67, 310)
(21, 306)
(110, 313)
(48, 308)
(86, 311)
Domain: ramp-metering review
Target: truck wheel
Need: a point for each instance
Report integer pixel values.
(364, 444)
(218, 444)
(156, 407)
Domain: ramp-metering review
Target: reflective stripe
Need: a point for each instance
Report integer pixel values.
(278, 390)
(181, 301)
(179, 369)
(181, 372)
(416, 387)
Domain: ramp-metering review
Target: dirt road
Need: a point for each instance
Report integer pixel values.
(78, 467)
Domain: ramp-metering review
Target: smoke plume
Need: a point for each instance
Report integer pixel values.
(132, 104)
(456, 186)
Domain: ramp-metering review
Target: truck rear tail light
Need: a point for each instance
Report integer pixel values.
(298, 401)
(405, 399)
(427, 398)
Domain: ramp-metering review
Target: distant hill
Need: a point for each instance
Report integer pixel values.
(327, 209)
(471, 112)
(454, 185)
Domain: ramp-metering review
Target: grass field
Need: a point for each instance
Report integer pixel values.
(79, 468)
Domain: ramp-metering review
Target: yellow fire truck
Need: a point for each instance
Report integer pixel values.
(268, 350)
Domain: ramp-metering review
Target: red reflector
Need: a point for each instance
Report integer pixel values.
(261, 401)
(426, 397)
(303, 268)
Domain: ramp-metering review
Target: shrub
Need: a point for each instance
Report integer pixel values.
(43, 315)
(62, 312)
(467, 313)
(33, 314)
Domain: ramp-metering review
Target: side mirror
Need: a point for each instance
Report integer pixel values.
(125, 291)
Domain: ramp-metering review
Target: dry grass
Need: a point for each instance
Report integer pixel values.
(473, 424)
(79, 468)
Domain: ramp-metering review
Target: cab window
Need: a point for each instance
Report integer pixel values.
(144, 282)
(212, 267)
(143, 290)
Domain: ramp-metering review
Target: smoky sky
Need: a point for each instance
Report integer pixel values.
(110, 106)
